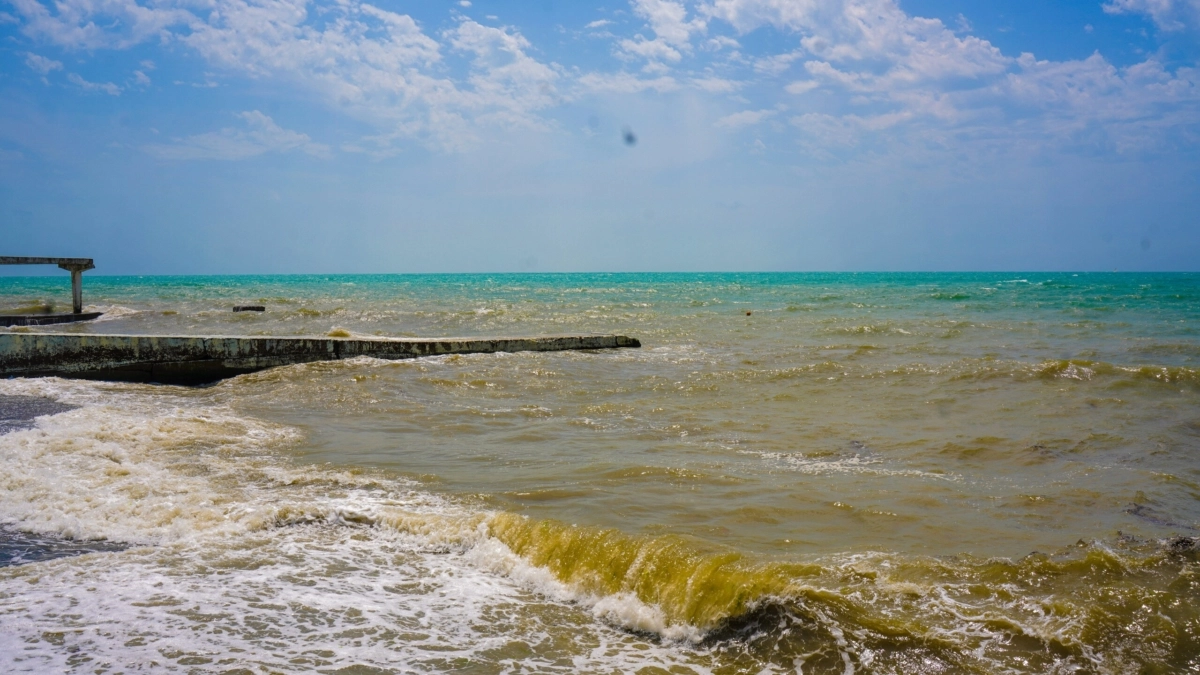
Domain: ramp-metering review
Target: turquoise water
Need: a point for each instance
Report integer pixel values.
(1124, 308)
(985, 472)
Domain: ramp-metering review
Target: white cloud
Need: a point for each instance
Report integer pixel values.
(825, 132)
(377, 65)
(1092, 102)
(357, 48)
(672, 31)
(891, 76)
(97, 24)
(668, 20)
(625, 83)
(263, 135)
(878, 68)
(777, 64)
(801, 86)
(744, 118)
(380, 66)
(106, 87)
(507, 83)
(40, 64)
(1167, 14)
(651, 50)
(874, 37)
(501, 63)
(717, 85)
(719, 42)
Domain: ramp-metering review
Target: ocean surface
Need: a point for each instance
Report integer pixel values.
(796, 473)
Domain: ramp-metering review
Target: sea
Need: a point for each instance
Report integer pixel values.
(795, 473)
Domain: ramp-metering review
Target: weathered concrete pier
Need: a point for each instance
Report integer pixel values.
(76, 266)
(200, 360)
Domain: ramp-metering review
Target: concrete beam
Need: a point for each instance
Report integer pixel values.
(65, 263)
(199, 360)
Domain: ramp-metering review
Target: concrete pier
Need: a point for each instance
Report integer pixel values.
(200, 360)
(76, 266)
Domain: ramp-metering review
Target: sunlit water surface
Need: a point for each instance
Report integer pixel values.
(818, 473)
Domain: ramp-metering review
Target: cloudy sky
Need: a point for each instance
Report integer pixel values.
(220, 136)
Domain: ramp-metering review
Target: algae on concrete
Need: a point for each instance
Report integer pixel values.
(199, 360)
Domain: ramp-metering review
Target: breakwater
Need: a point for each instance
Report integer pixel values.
(198, 360)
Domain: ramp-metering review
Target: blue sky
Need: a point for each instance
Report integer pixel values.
(247, 136)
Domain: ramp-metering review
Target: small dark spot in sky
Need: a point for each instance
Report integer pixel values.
(1145, 243)
(628, 135)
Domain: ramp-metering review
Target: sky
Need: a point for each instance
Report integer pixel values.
(347, 136)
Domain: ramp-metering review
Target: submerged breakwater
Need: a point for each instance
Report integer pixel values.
(983, 473)
(201, 360)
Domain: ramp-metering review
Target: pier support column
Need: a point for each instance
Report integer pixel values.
(77, 291)
(76, 284)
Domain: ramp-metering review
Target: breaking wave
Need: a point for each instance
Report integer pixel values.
(241, 549)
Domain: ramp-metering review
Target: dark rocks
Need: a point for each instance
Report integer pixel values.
(249, 308)
(1181, 544)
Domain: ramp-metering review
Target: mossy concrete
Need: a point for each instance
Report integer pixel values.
(199, 360)
(46, 319)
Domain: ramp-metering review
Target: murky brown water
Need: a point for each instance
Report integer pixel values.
(867, 473)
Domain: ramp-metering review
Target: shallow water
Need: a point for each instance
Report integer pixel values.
(866, 473)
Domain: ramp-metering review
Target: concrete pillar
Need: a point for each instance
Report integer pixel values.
(77, 290)
(76, 269)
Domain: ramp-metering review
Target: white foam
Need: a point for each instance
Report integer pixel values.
(250, 552)
(119, 471)
(844, 464)
(302, 598)
(261, 563)
(1074, 372)
(624, 610)
(111, 312)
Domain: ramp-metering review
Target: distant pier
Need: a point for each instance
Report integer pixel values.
(200, 360)
(76, 266)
